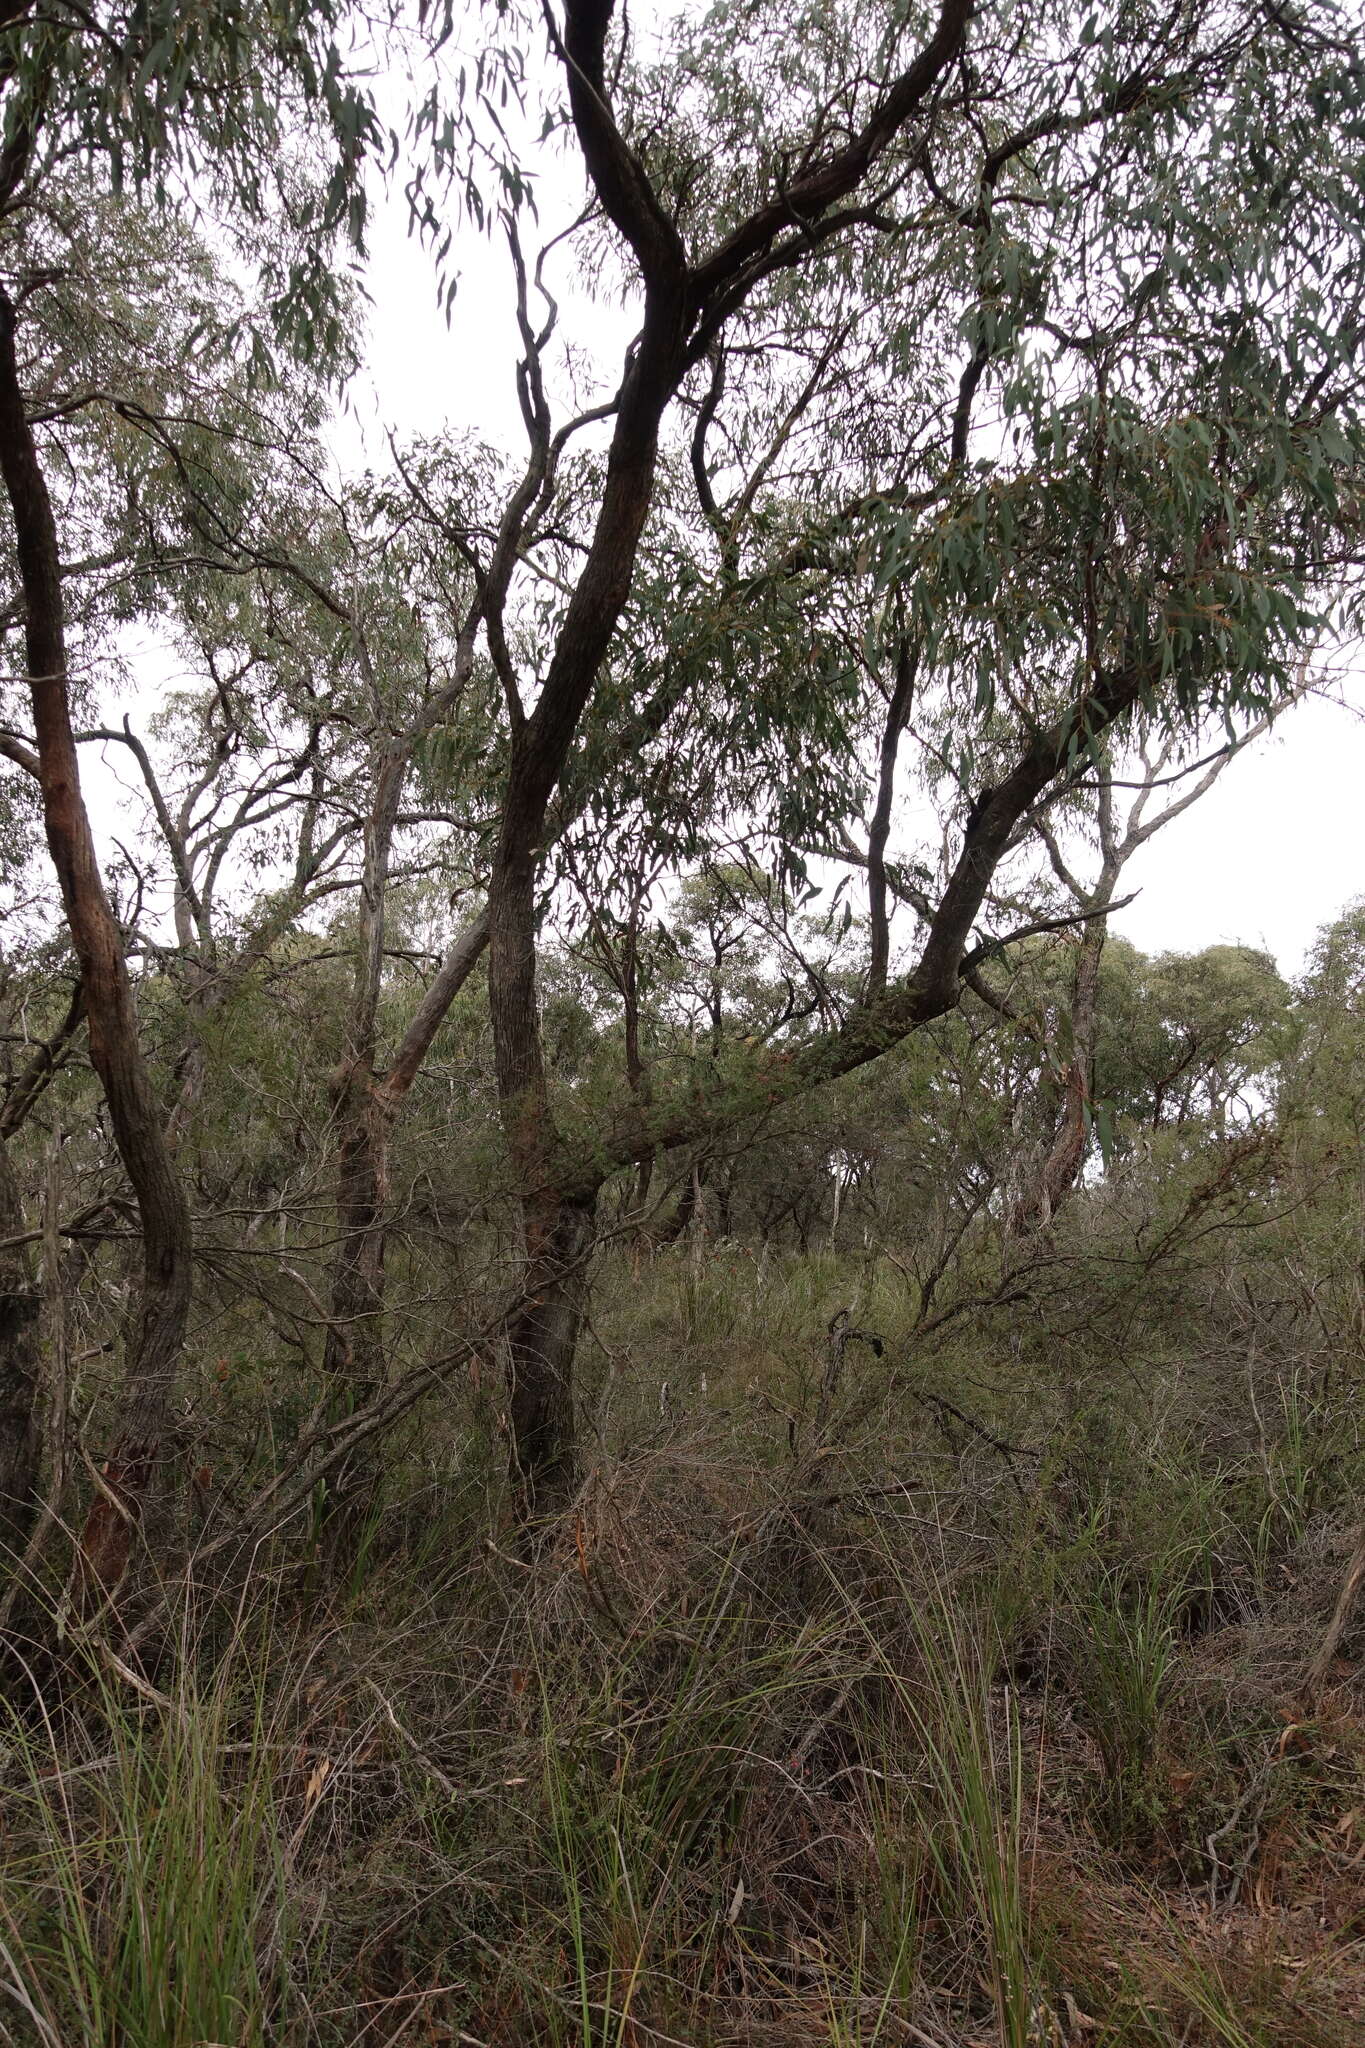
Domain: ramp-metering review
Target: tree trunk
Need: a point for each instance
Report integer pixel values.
(1061, 1167)
(355, 1348)
(354, 1353)
(365, 1107)
(689, 1208)
(20, 1301)
(542, 1340)
(139, 1477)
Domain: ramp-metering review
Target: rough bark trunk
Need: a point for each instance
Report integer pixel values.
(138, 1479)
(541, 1338)
(20, 1302)
(684, 309)
(687, 1207)
(542, 1342)
(879, 922)
(354, 1353)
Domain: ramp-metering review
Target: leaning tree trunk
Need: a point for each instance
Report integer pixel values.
(137, 1492)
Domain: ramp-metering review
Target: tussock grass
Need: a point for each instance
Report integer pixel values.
(145, 1900)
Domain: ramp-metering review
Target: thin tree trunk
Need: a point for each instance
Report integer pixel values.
(354, 1354)
(1061, 1168)
(139, 1477)
(355, 1347)
(21, 1297)
(1320, 1670)
(685, 1208)
(50, 1412)
(366, 1108)
(879, 922)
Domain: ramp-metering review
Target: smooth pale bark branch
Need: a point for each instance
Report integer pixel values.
(1065, 1156)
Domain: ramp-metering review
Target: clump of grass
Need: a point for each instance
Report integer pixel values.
(955, 1745)
(655, 1864)
(1118, 1631)
(143, 1905)
(733, 1760)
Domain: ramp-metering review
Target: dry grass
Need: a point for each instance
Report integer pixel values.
(947, 1710)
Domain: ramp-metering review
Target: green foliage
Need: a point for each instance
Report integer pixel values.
(224, 99)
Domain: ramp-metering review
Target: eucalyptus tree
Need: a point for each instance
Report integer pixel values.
(1098, 278)
(340, 604)
(994, 393)
(1215, 1033)
(1322, 1084)
(1124, 822)
(159, 102)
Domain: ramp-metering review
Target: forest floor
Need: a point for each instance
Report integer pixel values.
(953, 1695)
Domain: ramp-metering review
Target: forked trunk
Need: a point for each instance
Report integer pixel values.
(1061, 1168)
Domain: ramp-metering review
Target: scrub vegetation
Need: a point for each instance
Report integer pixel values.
(652, 1389)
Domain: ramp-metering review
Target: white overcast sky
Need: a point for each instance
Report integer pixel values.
(1272, 852)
